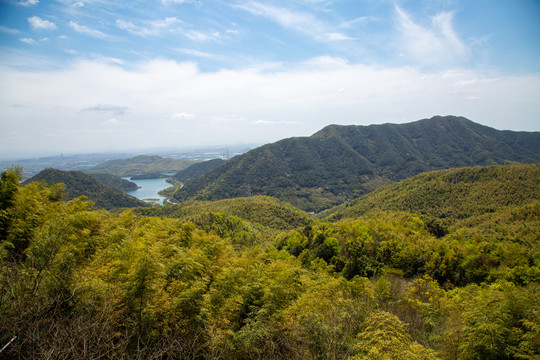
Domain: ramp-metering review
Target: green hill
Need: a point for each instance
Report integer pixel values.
(264, 210)
(467, 225)
(453, 193)
(222, 281)
(340, 163)
(80, 184)
(115, 181)
(197, 170)
(140, 165)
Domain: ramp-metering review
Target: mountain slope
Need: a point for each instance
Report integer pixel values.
(80, 184)
(340, 163)
(453, 193)
(197, 170)
(264, 210)
(115, 181)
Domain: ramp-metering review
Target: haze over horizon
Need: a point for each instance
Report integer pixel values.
(93, 75)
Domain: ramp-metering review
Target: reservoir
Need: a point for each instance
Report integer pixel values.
(148, 190)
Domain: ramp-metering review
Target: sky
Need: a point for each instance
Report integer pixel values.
(95, 75)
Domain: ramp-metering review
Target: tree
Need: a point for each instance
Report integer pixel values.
(385, 337)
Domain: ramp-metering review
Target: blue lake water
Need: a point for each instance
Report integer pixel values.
(148, 189)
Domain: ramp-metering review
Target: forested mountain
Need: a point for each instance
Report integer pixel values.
(428, 283)
(339, 163)
(80, 184)
(267, 211)
(451, 194)
(115, 181)
(140, 165)
(197, 170)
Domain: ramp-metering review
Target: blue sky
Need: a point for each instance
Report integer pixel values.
(94, 75)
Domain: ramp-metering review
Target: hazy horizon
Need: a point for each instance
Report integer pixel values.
(95, 76)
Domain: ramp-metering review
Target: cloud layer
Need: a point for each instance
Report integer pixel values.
(175, 104)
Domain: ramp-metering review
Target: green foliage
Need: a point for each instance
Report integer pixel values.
(263, 210)
(78, 184)
(452, 194)
(340, 163)
(385, 337)
(261, 280)
(9, 185)
(115, 181)
(196, 170)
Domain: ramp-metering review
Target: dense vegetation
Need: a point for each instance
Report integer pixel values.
(77, 283)
(78, 184)
(115, 181)
(340, 163)
(197, 170)
(453, 193)
(269, 212)
(140, 165)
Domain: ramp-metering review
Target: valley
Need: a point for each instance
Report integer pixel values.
(415, 241)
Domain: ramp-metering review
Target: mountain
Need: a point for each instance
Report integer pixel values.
(264, 210)
(451, 194)
(340, 163)
(197, 170)
(452, 224)
(140, 165)
(115, 181)
(80, 184)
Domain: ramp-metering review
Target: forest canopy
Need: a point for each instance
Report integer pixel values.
(385, 284)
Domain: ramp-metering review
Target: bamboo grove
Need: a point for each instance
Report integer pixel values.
(82, 283)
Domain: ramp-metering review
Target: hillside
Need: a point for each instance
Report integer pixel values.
(196, 281)
(115, 181)
(458, 226)
(453, 193)
(80, 184)
(140, 165)
(197, 170)
(264, 210)
(340, 163)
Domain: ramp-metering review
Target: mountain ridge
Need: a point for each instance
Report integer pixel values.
(80, 184)
(339, 163)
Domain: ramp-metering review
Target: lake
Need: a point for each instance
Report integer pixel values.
(148, 189)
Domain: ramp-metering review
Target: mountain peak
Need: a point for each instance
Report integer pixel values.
(340, 162)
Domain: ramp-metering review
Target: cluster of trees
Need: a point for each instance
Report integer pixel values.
(77, 283)
(368, 247)
(78, 184)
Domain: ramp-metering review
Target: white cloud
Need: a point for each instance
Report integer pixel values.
(244, 105)
(28, 2)
(195, 52)
(301, 22)
(176, 1)
(183, 115)
(88, 31)
(28, 41)
(41, 24)
(438, 44)
(151, 28)
(10, 31)
(115, 109)
(200, 36)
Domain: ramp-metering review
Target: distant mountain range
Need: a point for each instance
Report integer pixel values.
(80, 184)
(340, 163)
(143, 166)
